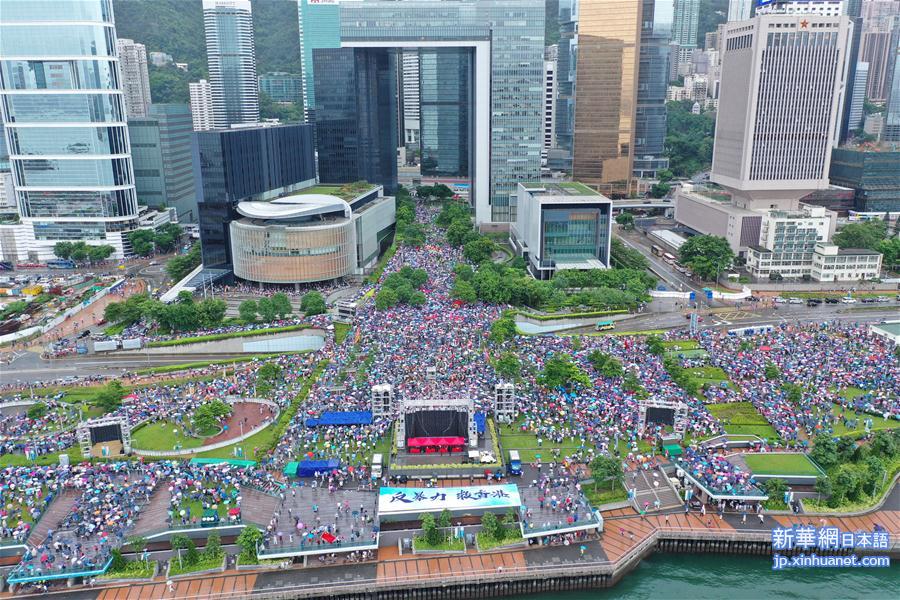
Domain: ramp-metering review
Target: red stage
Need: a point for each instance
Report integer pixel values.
(430, 445)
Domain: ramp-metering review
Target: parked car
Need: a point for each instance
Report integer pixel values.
(848, 300)
(813, 302)
(868, 300)
(780, 300)
(831, 300)
(882, 299)
(795, 300)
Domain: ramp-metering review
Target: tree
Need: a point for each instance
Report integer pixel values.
(313, 303)
(706, 255)
(606, 365)
(266, 309)
(37, 411)
(444, 519)
(137, 543)
(248, 541)
(508, 366)
(386, 298)
(118, 561)
(463, 290)
(503, 329)
(626, 220)
(247, 310)
(775, 489)
(560, 371)
(771, 372)
(884, 444)
(864, 235)
(99, 253)
(655, 345)
(430, 532)
(179, 266)
(411, 234)
(416, 299)
(793, 392)
(269, 372)
(63, 250)
(491, 526)
(890, 248)
(660, 190)
(210, 313)
(110, 397)
(824, 451)
(207, 416)
(213, 548)
(479, 250)
(689, 138)
(141, 241)
(606, 468)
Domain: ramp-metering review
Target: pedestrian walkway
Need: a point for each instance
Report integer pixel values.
(229, 584)
(60, 507)
(652, 487)
(153, 516)
(449, 565)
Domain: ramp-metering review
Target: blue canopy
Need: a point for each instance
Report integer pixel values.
(308, 468)
(359, 417)
(479, 422)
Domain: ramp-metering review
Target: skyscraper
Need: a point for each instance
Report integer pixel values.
(232, 62)
(892, 107)
(606, 83)
(282, 87)
(653, 72)
(684, 33)
(855, 118)
(201, 105)
(739, 10)
(135, 77)
(549, 103)
(446, 96)
(409, 94)
(779, 106)
(880, 19)
(320, 27)
(64, 117)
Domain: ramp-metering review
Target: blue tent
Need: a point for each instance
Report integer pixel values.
(308, 468)
(479, 422)
(359, 417)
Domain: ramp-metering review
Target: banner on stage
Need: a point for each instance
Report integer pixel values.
(414, 501)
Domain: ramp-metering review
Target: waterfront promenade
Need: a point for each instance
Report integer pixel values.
(626, 539)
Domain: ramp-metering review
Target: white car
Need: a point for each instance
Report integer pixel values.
(848, 300)
(487, 457)
(779, 300)
(795, 300)
(882, 299)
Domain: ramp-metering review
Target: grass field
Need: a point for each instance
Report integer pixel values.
(340, 332)
(878, 423)
(780, 464)
(678, 345)
(742, 418)
(600, 495)
(164, 435)
(527, 444)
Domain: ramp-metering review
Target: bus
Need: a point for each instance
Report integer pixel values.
(657, 251)
(61, 263)
(669, 258)
(604, 326)
(515, 464)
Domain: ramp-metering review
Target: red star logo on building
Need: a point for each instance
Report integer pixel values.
(804, 23)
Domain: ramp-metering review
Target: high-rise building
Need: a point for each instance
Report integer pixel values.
(135, 77)
(566, 63)
(606, 86)
(853, 10)
(232, 62)
(201, 105)
(64, 117)
(282, 87)
(881, 20)
(855, 120)
(549, 103)
(409, 96)
(502, 42)
(446, 99)
(320, 27)
(684, 33)
(246, 163)
(873, 172)
(739, 10)
(160, 59)
(356, 130)
(782, 81)
(161, 152)
(653, 72)
(891, 131)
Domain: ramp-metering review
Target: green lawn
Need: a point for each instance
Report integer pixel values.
(225, 336)
(679, 345)
(449, 544)
(742, 418)
(196, 507)
(340, 332)
(877, 422)
(527, 445)
(602, 494)
(135, 569)
(486, 543)
(19, 460)
(205, 563)
(780, 464)
(163, 435)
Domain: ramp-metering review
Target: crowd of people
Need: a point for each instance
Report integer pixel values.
(717, 474)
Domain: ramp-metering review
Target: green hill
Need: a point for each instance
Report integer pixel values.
(176, 27)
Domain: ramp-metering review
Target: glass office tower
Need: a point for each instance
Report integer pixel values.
(445, 101)
(653, 75)
(232, 62)
(320, 27)
(64, 118)
(508, 41)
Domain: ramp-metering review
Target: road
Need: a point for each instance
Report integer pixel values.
(671, 278)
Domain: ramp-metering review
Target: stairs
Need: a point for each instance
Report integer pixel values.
(56, 512)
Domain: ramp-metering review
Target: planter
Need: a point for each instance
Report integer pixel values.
(119, 580)
(194, 573)
(523, 543)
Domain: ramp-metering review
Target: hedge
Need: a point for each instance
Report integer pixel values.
(553, 317)
(224, 336)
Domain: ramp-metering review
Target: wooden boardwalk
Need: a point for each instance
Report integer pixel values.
(57, 511)
(230, 584)
(392, 568)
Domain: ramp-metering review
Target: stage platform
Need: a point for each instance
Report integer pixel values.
(405, 458)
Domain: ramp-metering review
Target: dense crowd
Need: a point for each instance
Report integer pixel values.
(717, 474)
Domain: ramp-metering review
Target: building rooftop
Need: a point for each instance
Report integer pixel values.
(857, 252)
(344, 191)
(561, 188)
(295, 206)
